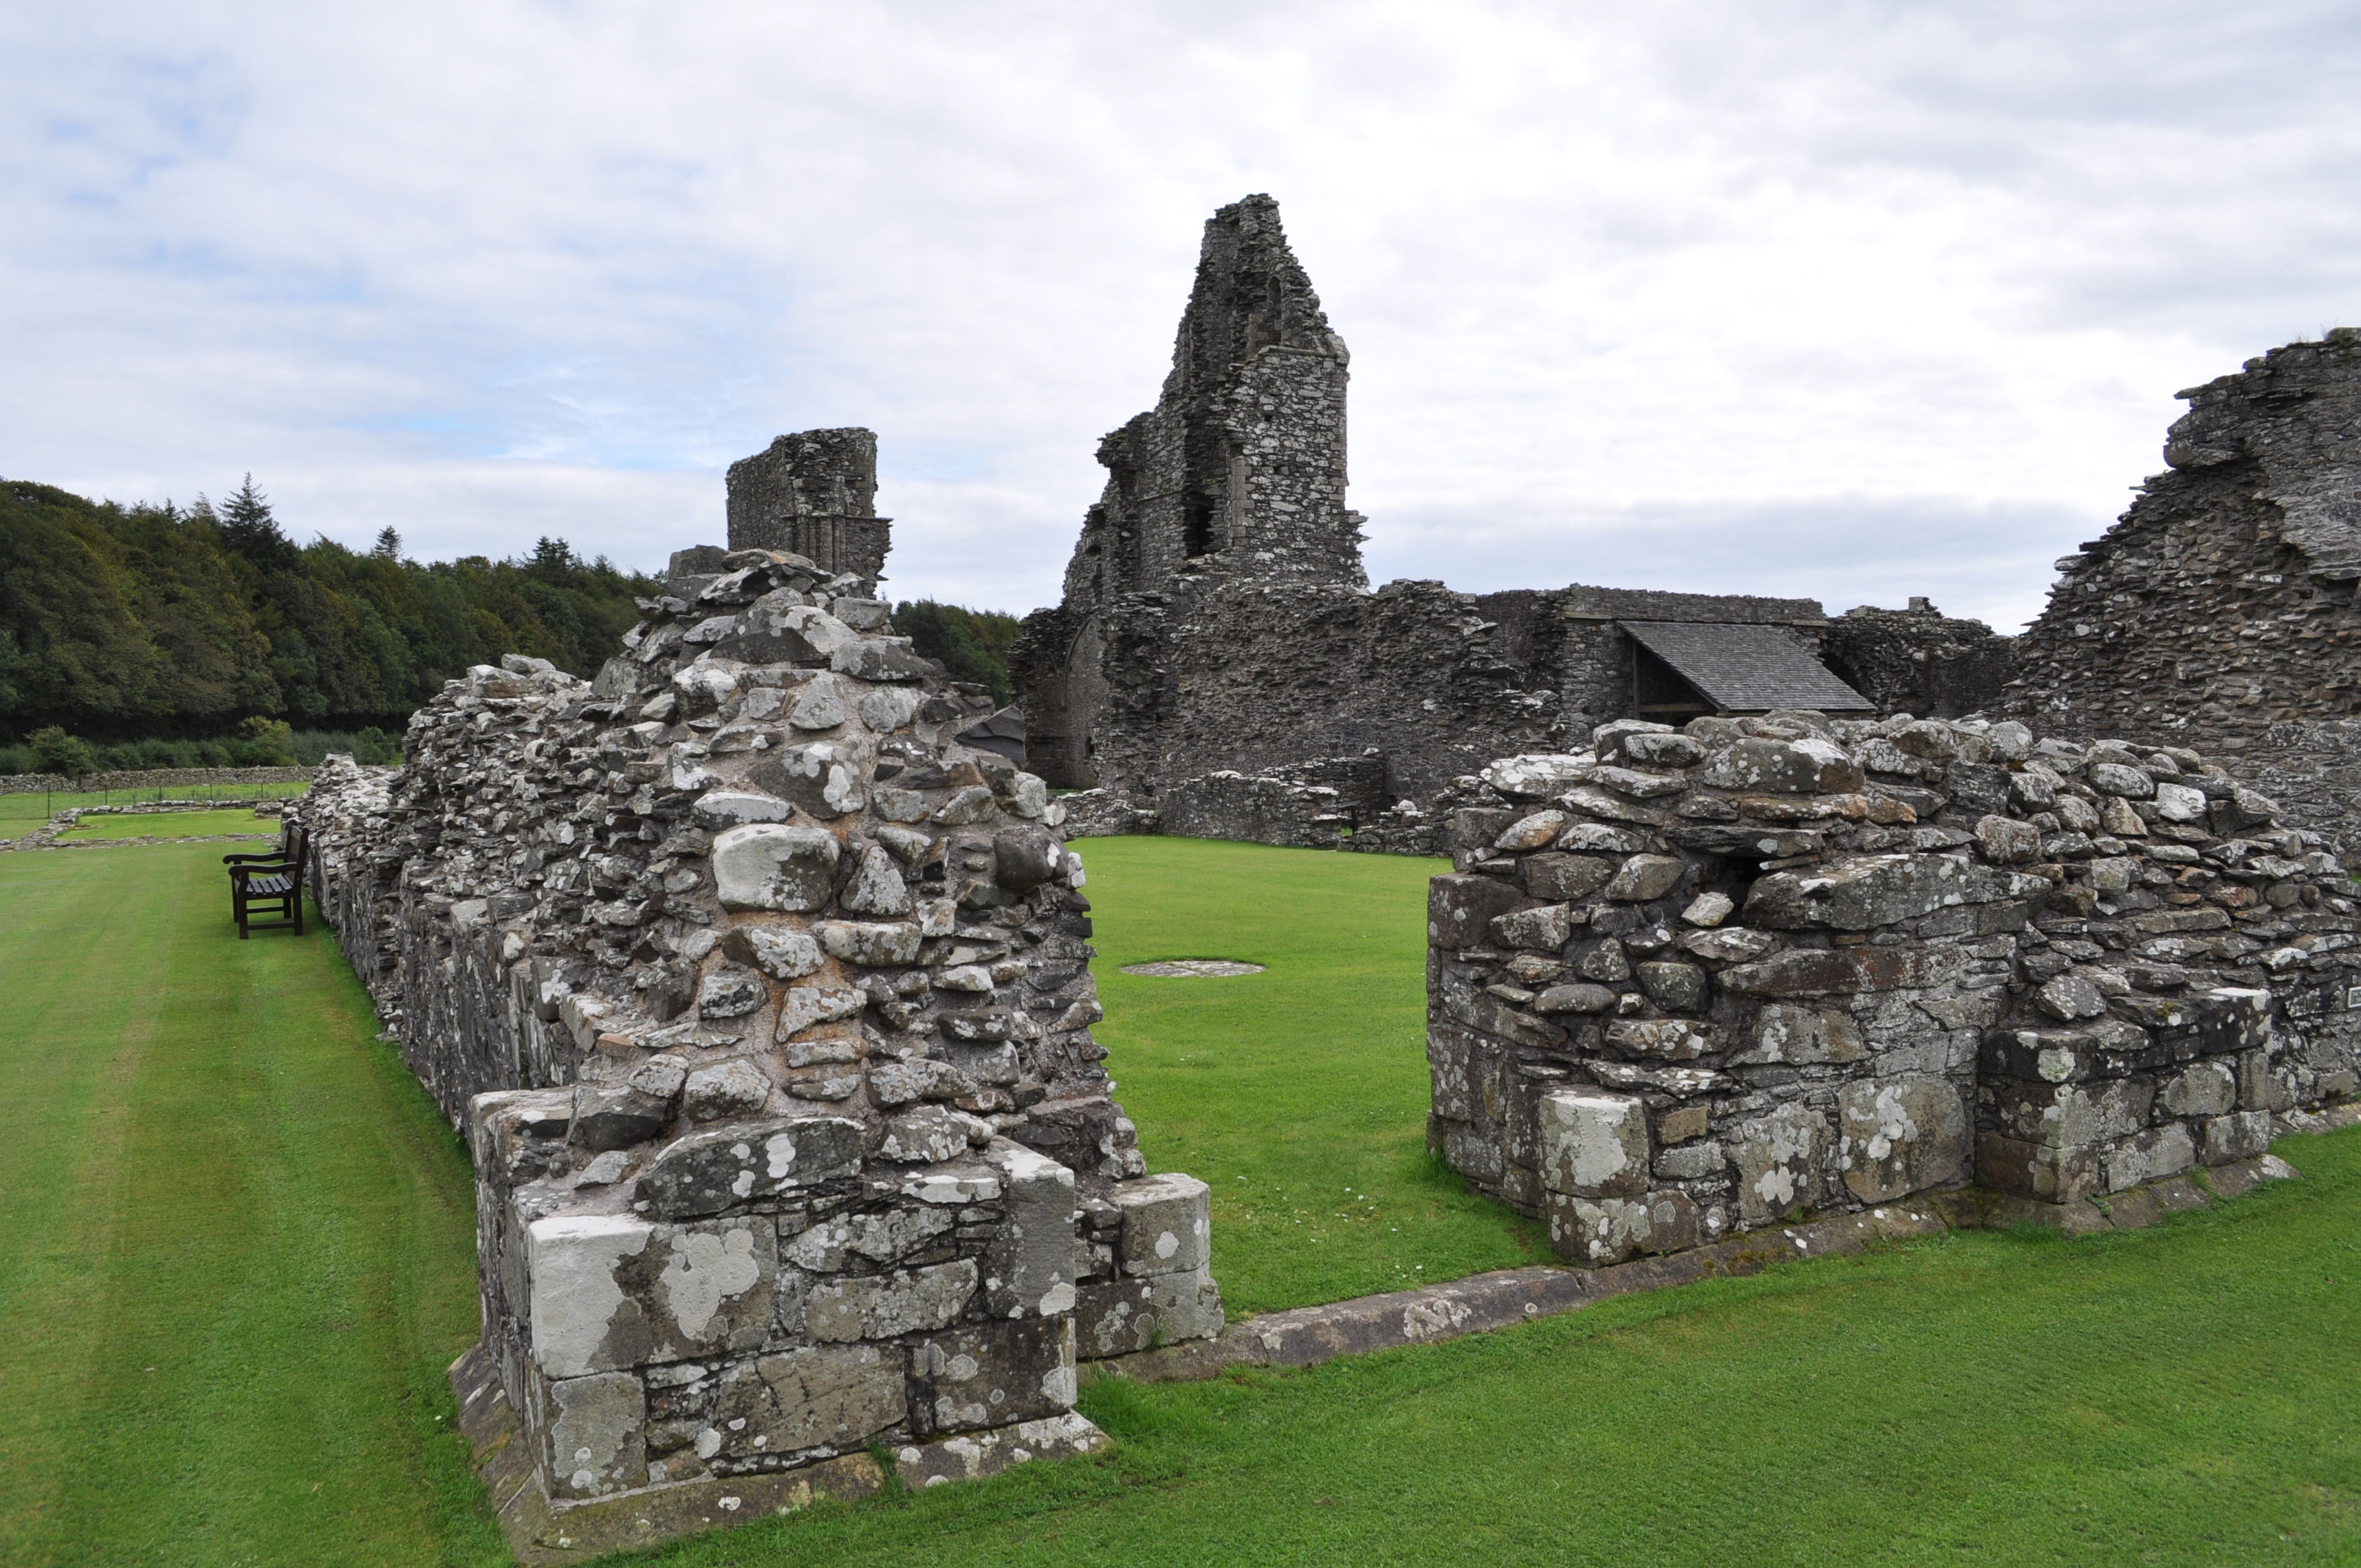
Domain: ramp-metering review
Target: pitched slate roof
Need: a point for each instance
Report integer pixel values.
(1746, 669)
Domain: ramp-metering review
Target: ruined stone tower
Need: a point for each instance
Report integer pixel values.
(1240, 466)
(1237, 473)
(813, 493)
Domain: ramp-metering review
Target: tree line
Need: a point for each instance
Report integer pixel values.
(167, 636)
(166, 622)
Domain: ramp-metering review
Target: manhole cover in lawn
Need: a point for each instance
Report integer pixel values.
(1192, 968)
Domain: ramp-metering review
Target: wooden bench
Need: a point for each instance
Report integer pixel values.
(271, 884)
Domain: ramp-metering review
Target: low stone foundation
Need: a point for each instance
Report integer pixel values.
(1686, 985)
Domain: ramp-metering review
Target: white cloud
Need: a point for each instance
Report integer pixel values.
(1845, 300)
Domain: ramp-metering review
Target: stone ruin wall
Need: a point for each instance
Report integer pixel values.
(2222, 603)
(1216, 617)
(1689, 984)
(765, 1006)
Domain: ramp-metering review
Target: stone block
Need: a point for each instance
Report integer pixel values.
(1644, 877)
(2260, 1088)
(1534, 832)
(1810, 766)
(872, 943)
(615, 1116)
(2032, 1170)
(1115, 1317)
(2241, 1135)
(822, 777)
(1597, 1232)
(1592, 1144)
(990, 1375)
(769, 865)
(1167, 1225)
(1870, 891)
(719, 808)
(1029, 1267)
(883, 1306)
(706, 1171)
(2070, 1115)
(1556, 877)
(1899, 1136)
(1544, 929)
(1460, 909)
(610, 1291)
(2008, 842)
(1844, 971)
(929, 1135)
(877, 1236)
(1675, 987)
(1787, 1034)
(1664, 1039)
(1185, 1306)
(2108, 1048)
(780, 951)
(595, 1434)
(2201, 1088)
(1781, 1160)
(1576, 998)
(2144, 1157)
(733, 1088)
(813, 1397)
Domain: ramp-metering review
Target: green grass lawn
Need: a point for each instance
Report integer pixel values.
(241, 1242)
(1300, 1093)
(243, 1257)
(178, 825)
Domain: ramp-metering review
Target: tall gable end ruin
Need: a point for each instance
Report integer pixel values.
(1216, 615)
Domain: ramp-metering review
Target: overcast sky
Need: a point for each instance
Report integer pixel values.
(1848, 301)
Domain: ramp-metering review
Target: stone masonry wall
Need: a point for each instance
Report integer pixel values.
(766, 1007)
(1687, 983)
(2222, 602)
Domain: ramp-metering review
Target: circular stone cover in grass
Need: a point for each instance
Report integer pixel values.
(1192, 968)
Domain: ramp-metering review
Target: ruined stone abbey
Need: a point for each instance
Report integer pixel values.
(757, 969)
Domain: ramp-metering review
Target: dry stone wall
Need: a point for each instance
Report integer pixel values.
(1686, 983)
(766, 1007)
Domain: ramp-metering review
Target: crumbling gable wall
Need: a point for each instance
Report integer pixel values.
(766, 1007)
(1687, 983)
(2223, 601)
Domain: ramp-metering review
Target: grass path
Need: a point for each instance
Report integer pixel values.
(1300, 1093)
(242, 1248)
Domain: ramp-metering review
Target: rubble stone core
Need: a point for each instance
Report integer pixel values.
(1688, 982)
(765, 1006)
